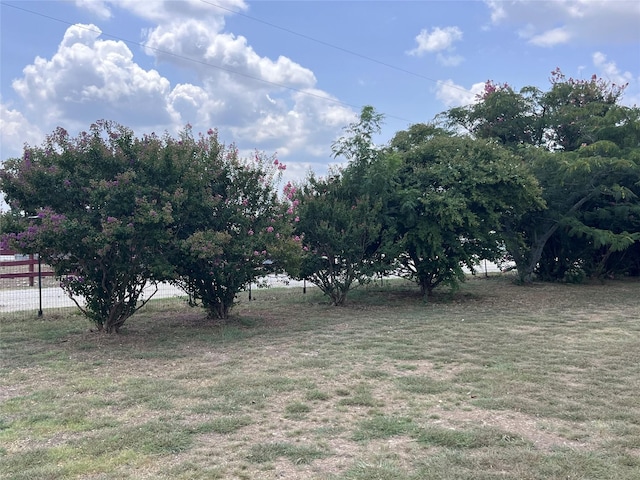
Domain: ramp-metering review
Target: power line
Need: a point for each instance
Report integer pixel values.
(330, 45)
(196, 61)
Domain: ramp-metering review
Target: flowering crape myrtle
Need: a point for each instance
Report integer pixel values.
(112, 214)
(91, 207)
(230, 226)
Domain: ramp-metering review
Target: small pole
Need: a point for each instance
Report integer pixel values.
(40, 284)
(304, 285)
(486, 274)
(249, 291)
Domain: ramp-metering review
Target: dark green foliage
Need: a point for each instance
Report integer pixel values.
(455, 194)
(229, 225)
(345, 218)
(583, 147)
(94, 208)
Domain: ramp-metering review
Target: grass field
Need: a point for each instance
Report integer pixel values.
(494, 382)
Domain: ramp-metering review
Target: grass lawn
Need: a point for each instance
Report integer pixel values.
(496, 381)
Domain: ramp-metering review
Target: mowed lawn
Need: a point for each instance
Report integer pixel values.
(496, 381)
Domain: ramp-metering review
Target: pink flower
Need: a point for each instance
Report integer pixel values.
(275, 162)
(250, 232)
(269, 229)
(297, 219)
(290, 210)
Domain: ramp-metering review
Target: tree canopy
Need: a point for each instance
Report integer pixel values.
(548, 179)
(230, 227)
(112, 213)
(345, 222)
(582, 146)
(92, 207)
(455, 195)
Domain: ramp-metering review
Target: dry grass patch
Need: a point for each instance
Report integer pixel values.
(495, 381)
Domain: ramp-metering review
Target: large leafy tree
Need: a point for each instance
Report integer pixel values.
(582, 145)
(91, 206)
(600, 235)
(112, 213)
(341, 233)
(455, 195)
(344, 217)
(230, 226)
(500, 113)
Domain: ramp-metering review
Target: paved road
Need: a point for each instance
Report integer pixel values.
(28, 298)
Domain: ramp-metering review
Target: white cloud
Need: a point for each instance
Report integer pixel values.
(192, 104)
(265, 103)
(551, 37)
(498, 12)
(15, 132)
(547, 23)
(98, 7)
(162, 11)
(435, 41)
(307, 127)
(253, 100)
(195, 45)
(609, 70)
(450, 60)
(453, 95)
(88, 76)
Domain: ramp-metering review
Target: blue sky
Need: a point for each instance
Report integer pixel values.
(287, 76)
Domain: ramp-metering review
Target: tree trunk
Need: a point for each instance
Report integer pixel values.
(426, 289)
(219, 311)
(526, 264)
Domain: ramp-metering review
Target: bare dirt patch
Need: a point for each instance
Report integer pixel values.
(529, 428)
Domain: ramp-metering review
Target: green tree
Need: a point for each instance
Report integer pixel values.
(455, 194)
(91, 207)
(112, 213)
(230, 227)
(500, 113)
(345, 223)
(598, 237)
(582, 146)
